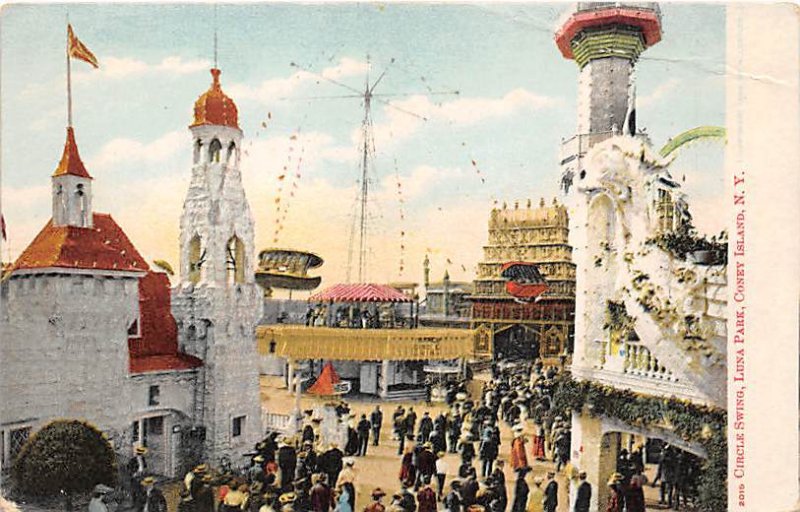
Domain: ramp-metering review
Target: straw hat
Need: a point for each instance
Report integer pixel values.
(147, 481)
(288, 497)
(140, 450)
(615, 478)
(200, 468)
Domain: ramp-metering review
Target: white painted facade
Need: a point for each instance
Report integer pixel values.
(217, 302)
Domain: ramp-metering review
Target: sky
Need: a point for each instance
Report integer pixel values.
(516, 101)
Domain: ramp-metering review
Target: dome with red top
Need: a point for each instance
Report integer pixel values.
(215, 107)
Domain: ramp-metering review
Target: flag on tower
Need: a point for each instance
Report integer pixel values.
(78, 50)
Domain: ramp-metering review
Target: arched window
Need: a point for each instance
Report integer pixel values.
(231, 152)
(198, 146)
(196, 258)
(214, 150)
(235, 261)
(82, 207)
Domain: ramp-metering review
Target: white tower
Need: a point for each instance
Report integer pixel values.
(216, 302)
(72, 188)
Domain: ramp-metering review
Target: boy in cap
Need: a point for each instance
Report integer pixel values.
(376, 505)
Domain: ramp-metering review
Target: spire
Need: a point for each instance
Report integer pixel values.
(70, 160)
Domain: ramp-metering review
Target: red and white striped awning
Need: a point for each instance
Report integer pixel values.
(360, 293)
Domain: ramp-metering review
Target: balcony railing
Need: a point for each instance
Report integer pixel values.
(301, 342)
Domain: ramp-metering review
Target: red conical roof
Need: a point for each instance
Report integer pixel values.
(215, 107)
(70, 160)
(327, 378)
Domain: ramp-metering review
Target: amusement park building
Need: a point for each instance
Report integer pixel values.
(647, 320)
(89, 330)
(540, 328)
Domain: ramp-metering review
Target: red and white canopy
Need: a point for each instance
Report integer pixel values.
(360, 293)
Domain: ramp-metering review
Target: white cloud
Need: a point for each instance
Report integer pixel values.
(116, 68)
(274, 89)
(661, 91)
(422, 179)
(459, 112)
(127, 151)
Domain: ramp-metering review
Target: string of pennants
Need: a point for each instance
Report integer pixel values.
(402, 212)
(289, 178)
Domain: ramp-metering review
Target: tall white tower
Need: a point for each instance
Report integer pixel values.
(216, 302)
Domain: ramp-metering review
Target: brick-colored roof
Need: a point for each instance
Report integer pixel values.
(71, 162)
(102, 247)
(156, 347)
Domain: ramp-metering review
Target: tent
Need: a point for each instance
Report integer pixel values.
(329, 383)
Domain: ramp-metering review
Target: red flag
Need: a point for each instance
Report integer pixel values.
(78, 50)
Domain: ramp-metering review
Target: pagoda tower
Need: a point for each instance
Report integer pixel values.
(216, 302)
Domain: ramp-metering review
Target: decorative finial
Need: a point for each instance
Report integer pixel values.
(215, 36)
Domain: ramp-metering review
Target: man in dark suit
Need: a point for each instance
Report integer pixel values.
(584, 494)
(154, 498)
(551, 493)
(376, 420)
(363, 429)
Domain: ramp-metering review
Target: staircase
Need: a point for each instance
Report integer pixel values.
(679, 312)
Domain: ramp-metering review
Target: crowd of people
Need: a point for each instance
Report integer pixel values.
(302, 473)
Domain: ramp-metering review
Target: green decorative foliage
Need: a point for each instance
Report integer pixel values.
(618, 321)
(686, 240)
(65, 455)
(694, 423)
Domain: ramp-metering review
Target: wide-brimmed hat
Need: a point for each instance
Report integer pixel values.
(102, 489)
(287, 497)
(378, 493)
(148, 480)
(200, 468)
(258, 458)
(140, 450)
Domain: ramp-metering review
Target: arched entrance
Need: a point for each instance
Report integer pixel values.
(516, 342)
(604, 446)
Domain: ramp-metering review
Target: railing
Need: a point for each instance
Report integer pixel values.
(274, 422)
(633, 367)
(633, 359)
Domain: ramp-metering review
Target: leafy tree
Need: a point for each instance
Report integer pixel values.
(65, 456)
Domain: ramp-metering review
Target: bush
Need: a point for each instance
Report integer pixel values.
(65, 455)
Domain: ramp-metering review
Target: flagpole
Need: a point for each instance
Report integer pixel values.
(69, 81)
